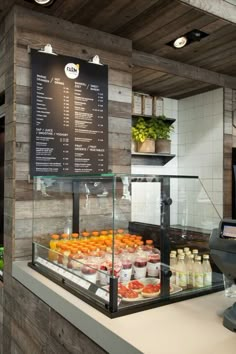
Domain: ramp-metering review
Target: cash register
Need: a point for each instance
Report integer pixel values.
(223, 251)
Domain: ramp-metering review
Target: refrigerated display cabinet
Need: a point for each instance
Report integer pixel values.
(108, 238)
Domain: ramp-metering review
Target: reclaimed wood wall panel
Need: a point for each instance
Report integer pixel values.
(22, 334)
(229, 133)
(85, 45)
(74, 341)
(32, 327)
(71, 32)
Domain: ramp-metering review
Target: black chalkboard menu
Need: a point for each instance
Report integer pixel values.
(69, 116)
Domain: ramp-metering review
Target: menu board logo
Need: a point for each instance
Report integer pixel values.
(72, 70)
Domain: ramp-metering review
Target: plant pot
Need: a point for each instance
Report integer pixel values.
(163, 146)
(147, 146)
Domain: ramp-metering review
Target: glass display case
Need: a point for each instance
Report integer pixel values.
(125, 243)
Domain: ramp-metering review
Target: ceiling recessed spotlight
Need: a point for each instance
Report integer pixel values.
(180, 42)
(44, 2)
(187, 38)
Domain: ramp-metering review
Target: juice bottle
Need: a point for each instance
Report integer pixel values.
(53, 247)
(173, 263)
(65, 237)
(74, 236)
(198, 273)
(207, 271)
(181, 272)
(190, 271)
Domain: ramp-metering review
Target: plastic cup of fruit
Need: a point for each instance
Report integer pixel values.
(126, 271)
(140, 267)
(103, 274)
(89, 272)
(153, 265)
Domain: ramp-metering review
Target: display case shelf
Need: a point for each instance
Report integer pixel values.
(141, 158)
(168, 121)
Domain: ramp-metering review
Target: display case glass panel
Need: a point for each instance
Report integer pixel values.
(125, 243)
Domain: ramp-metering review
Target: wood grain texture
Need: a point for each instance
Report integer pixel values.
(219, 8)
(38, 334)
(227, 151)
(74, 341)
(60, 46)
(169, 66)
(71, 32)
(119, 109)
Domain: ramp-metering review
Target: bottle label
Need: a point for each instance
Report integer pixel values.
(173, 277)
(125, 275)
(190, 278)
(181, 279)
(153, 269)
(140, 273)
(198, 280)
(207, 278)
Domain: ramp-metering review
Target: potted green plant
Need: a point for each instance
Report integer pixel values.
(144, 135)
(163, 131)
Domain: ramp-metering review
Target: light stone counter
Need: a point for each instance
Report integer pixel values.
(188, 327)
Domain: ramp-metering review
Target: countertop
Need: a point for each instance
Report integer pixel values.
(188, 327)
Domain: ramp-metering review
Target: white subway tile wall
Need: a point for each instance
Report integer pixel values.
(200, 149)
(197, 142)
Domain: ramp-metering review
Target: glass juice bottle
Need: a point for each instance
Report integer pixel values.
(53, 247)
(198, 273)
(181, 272)
(195, 253)
(173, 263)
(190, 271)
(207, 271)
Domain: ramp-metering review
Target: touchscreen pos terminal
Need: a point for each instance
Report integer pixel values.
(223, 251)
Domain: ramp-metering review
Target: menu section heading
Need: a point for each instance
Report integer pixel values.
(69, 116)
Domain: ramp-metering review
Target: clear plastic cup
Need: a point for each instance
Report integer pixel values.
(230, 287)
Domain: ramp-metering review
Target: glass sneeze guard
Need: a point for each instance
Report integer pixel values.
(125, 243)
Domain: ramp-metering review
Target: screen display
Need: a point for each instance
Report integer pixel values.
(229, 231)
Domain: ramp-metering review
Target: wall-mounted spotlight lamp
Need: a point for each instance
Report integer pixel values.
(187, 38)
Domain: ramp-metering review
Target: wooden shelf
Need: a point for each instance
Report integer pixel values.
(141, 158)
(168, 121)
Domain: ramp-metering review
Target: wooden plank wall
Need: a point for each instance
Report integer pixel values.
(229, 143)
(30, 326)
(35, 30)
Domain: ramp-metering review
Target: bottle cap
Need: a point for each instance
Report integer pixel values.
(149, 242)
(55, 237)
(195, 251)
(75, 235)
(186, 249)
(206, 256)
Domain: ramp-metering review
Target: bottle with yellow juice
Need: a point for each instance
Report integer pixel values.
(53, 247)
